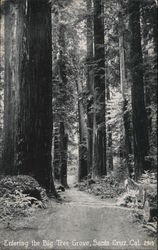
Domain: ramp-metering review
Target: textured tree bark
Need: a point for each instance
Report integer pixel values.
(109, 153)
(140, 132)
(13, 42)
(1, 84)
(128, 137)
(63, 137)
(149, 15)
(56, 160)
(90, 87)
(28, 94)
(123, 82)
(99, 88)
(82, 136)
(155, 13)
(63, 155)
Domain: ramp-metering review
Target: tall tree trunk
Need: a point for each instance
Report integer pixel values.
(123, 82)
(155, 13)
(140, 132)
(63, 138)
(56, 158)
(60, 73)
(149, 15)
(99, 88)
(82, 135)
(14, 29)
(109, 153)
(90, 86)
(28, 93)
(1, 85)
(63, 155)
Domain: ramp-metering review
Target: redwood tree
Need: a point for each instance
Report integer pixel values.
(28, 91)
(123, 82)
(82, 134)
(90, 85)
(140, 132)
(14, 12)
(99, 91)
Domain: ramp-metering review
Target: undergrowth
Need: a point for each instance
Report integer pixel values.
(105, 187)
(20, 196)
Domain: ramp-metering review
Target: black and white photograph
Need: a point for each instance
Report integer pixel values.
(78, 124)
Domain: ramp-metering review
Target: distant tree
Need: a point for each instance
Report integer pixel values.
(63, 154)
(63, 82)
(123, 82)
(82, 133)
(63, 90)
(109, 149)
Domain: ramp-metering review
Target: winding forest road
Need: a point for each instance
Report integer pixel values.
(81, 221)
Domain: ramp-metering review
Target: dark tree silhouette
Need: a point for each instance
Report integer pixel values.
(28, 91)
(140, 132)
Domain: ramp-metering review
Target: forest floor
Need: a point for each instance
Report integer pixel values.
(80, 221)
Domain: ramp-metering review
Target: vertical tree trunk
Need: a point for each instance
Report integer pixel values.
(1, 85)
(28, 94)
(90, 86)
(140, 132)
(56, 93)
(14, 28)
(63, 138)
(123, 82)
(109, 137)
(149, 34)
(155, 13)
(82, 136)
(56, 159)
(99, 88)
(63, 155)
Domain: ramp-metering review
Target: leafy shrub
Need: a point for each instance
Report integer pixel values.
(20, 195)
(106, 187)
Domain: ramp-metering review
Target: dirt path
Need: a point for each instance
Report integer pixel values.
(80, 222)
